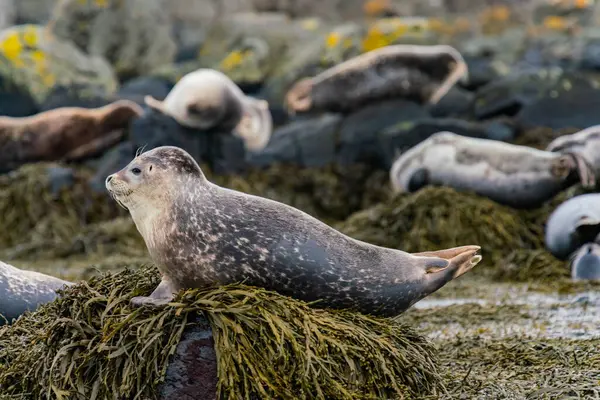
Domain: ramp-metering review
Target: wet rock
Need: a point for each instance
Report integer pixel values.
(192, 372)
(456, 103)
(75, 96)
(590, 54)
(405, 135)
(60, 178)
(222, 151)
(358, 138)
(482, 70)
(133, 35)
(137, 88)
(310, 142)
(34, 11)
(112, 161)
(15, 101)
(35, 60)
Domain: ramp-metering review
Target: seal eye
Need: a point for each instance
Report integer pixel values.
(136, 171)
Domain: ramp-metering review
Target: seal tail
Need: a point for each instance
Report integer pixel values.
(154, 104)
(451, 263)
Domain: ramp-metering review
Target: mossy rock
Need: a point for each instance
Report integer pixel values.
(440, 217)
(36, 60)
(399, 30)
(267, 345)
(135, 36)
(36, 214)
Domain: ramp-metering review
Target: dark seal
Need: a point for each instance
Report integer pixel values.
(22, 290)
(517, 176)
(200, 234)
(573, 224)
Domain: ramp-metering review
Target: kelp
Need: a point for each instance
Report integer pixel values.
(36, 208)
(91, 344)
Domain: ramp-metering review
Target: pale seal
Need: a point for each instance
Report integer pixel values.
(585, 143)
(207, 99)
(420, 73)
(573, 224)
(517, 176)
(201, 234)
(585, 263)
(23, 290)
(64, 134)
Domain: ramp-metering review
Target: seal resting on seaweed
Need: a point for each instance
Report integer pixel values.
(207, 99)
(573, 224)
(201, 234)
(22, 290)
(517, 176)
(66, 133)
(420, 73)
(585, 263)
(585, 143)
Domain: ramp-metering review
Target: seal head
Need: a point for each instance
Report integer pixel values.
(585, 263)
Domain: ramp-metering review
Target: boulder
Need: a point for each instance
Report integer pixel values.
(133, 35)
(8, 13)
(34, 59)
(15, 101)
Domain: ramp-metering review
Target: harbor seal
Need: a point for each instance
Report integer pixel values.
(586, 143)
(23, 290)
(201, 234)
(573, 224)
(517, 176)
(64, 134)
(414, 72)
(207, 99)
(585, 263)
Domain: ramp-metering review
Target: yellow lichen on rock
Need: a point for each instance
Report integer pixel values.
(37, 62)
(388, 31)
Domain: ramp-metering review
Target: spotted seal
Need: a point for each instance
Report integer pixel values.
(207, 99)
(572, 224)
(414, 72)
(23, 290)
(66, 133)
(585, 263)
(517, 176)
(586, 143)
(200, 234)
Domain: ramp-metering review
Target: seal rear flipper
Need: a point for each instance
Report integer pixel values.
(154, 104)
(453, 262)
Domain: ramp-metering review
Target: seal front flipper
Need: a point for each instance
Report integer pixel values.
(450, 263)
(155, 104)
(162, 295)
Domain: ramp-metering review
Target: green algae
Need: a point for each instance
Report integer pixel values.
(90, 343)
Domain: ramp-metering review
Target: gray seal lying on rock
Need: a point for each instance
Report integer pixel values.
(420, 73)
(573, 224)
(517, 176)
(200, 234)
(22, 290)
(585, 143)
(585, 263)
(207, 99)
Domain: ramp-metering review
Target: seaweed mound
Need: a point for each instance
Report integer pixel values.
(46, 204)
(90, 344)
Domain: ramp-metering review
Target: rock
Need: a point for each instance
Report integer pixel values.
(223, 152)
(111, 161)
(133, 35)
(37, 61)
(60, 178)
(192, 372)
(403, 136)
(456, 103)
(483, 70)
(8, 13)
(15, 101)
(509, 95)
(398, 30)
(573, 102)
(137, 88)
(590, 54)
(358, 138)
(75, 96)
(310, 142)
(34, 11)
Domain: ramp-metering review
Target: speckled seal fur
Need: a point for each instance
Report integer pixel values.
(200, 234)
(66, 133)
(585, 263)
(207, 99)
(22, 290)
(518, 176)
(419, 73)
(585, 143)
(572, 224)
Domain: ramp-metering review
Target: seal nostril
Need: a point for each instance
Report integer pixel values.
(109, 178)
